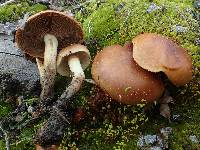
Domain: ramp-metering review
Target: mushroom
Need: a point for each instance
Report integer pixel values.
(72, 60)
(42, 35)
(52, 147)
(156, 53)
(116, 72)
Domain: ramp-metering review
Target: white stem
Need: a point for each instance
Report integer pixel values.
(40, 65)
(78, 77)
(6, 138)
(50, 54)
(6, 3)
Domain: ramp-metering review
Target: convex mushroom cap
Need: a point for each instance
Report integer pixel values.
(116, 72)
(31, 38)
(156, 53)
(79, 51)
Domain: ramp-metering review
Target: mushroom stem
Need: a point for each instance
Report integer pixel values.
(40, 66)
(50, 54)
(78, 77)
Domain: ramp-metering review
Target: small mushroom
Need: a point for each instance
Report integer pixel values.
(72, 60)
(42, 35)
(116, 72)
(156, 53)
(52, 147)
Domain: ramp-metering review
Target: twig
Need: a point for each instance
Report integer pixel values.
(6, 3)
(6, 138)
(91, 81)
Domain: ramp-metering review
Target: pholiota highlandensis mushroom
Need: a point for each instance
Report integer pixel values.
(42, 35)
(72, 60)
(157, 53)
(116, 72)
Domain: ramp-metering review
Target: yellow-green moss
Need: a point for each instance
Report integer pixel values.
(4, 108)
(118, 21)
(14, 12)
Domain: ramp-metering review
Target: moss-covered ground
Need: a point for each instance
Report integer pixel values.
(99, 123)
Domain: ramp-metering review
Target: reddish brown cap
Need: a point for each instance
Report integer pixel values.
(156, 53)
(115, 71)
(52, 147)
(63, 27)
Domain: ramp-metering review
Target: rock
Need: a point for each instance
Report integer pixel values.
(197, 4)
(197, 41)
(156, 148)
(155, 142)
(193, 139)
(149, 140)
(152, 8)
(7, 28)
(12, 62)
(166, 132)
(179, 29)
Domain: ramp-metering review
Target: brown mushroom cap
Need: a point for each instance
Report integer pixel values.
(156, 53)
(77, 49)
(52, 147)
(63, 27)
(116, 72)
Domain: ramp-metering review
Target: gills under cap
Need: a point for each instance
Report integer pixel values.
(76, 49)
(156, 53)
(31, 38)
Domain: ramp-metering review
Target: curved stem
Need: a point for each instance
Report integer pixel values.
(50, 55)
(40, 66)
(78, 77)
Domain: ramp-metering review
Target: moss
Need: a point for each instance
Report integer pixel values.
(25, 140)
(4, 109)
(14, 12)
(120, 20)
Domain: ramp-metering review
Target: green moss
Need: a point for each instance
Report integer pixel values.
(25, 140)
(118, 21)
(4, 109)
(14, 12)
(121, 20)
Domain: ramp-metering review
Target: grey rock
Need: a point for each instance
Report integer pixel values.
(152, 8)
(149, 140)
(12, 61)
(193, 138)
(42, 1)
(197, 41)
(179, 29)
(7, 28)
(197, 4)
(166, 131)
(155, 148)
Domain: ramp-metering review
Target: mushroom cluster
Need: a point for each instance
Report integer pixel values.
(129, 73)
(54, 38)
(43, 36)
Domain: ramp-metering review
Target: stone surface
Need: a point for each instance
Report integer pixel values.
(193, 139)
(12, 61)
(153, 7)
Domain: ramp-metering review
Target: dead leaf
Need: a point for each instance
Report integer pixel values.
(165, 111)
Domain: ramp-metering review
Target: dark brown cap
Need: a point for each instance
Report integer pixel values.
(156, 53)
(31, 39)
(116, 72)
